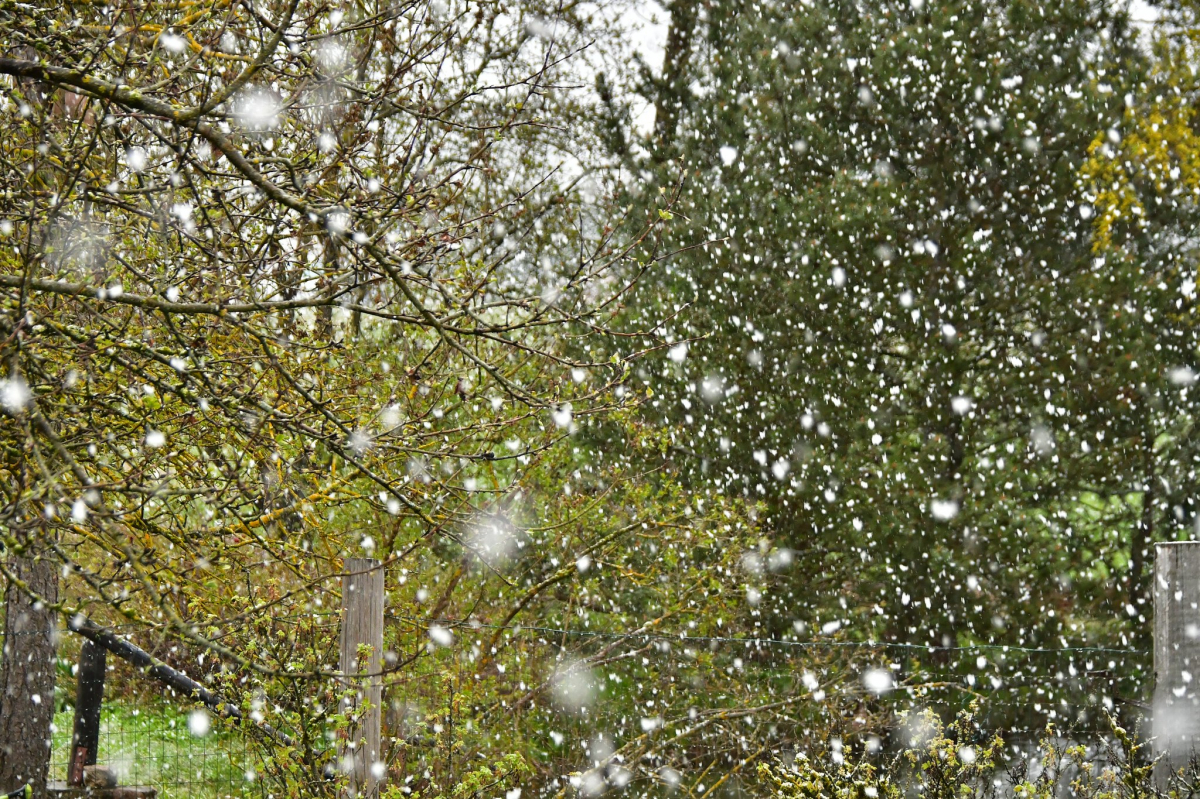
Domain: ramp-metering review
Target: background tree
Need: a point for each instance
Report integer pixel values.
(1141, 177)
(899, 337)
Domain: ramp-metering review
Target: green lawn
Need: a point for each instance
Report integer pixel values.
(152, 745)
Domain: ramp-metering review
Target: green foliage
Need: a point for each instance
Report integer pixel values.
(483, 780)
(851, 363)
(944, 762)
(149, 743)
(959, 761)
(898, 336)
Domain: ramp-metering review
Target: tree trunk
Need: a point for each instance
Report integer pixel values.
(27, 676)
(1143, 532)
(673, 88)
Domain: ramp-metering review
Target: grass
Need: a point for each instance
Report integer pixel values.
(153, 746)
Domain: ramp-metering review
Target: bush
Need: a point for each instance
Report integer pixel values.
(959, 761)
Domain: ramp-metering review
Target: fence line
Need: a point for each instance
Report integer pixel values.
(811, 644)
(158, 748)
(681, 637)
(473, 624)
(637, 684)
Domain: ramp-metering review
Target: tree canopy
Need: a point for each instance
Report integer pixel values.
(855, 375)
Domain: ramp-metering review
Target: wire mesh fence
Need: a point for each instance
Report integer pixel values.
(148, 743)
(460, 694)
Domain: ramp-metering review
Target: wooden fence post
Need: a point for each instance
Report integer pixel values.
(85, 741)
(362, 624)
(1176, 709)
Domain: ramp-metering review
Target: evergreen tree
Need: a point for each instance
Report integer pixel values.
(901, 339)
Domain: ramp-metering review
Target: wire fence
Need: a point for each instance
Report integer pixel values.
(148, 743)
(460, 694)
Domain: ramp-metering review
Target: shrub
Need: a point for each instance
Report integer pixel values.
(959, 761)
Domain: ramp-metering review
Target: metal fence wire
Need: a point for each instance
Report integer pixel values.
(684, 704)
(147, 743)
(147, 737)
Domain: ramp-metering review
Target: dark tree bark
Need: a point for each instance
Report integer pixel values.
(673, 88)
(1143, 533)
(27, 675)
